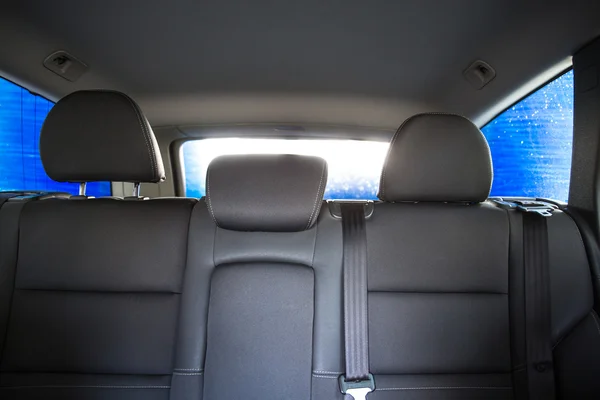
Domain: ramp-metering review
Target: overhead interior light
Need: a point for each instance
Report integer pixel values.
(65, 65)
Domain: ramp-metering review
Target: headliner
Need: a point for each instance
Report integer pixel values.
(351, 62)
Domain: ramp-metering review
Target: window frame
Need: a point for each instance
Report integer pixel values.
(529, 93)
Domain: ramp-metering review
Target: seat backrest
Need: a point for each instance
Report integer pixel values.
(94, 302)
(446, 311)
(271, 262)
(438, 266)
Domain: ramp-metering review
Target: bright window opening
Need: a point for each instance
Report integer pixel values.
(354, 166)
(532, 142)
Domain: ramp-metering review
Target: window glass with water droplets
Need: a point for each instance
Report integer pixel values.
(532, 141)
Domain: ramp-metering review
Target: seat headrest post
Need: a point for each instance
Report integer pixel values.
(82, 188)
(136, 189)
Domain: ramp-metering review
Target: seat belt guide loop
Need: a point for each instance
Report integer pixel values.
(530, 206)
(357, 389)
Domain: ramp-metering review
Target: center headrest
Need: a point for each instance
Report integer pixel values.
(268, 193)
(99, 135)
(439, 158)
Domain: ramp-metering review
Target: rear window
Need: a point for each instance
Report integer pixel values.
(21, 117)
(354, 166)
(531, 143)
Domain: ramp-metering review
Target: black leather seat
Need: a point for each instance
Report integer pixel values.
(234, 297)
(91, 288)
(270, 263)
(239, 295)
(445, 278)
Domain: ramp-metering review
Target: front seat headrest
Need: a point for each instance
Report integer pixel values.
(437, 157)
(99, 135)
(268, 193)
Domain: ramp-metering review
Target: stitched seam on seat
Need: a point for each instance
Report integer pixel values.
(324, 376)
(449, 388)
(319, 194)
(145, 134)
(382, 180)
(571, 330)
(188, 369)
(188, 373)
(578, 231)
(328, 372)
(84, 387)
(595, 317)
(208, 201)
(571, 217)
(11, 293)
(312, 260)
(582, 242)
(559, 341)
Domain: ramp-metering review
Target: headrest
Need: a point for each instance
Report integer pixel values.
(268, 193)
(99, 136)
(437, 157)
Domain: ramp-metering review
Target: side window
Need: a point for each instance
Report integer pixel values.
(532, 142)
(21, 118)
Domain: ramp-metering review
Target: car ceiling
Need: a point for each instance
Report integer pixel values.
(354, 62)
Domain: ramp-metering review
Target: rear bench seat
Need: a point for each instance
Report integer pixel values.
(239, 295)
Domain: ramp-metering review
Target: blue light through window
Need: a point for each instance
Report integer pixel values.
(532, 141)
(21, 118)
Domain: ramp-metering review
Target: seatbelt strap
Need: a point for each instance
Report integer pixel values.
(538, 322)
(357, 382)
(538, 328)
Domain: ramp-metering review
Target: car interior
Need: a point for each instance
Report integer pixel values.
(299, 200)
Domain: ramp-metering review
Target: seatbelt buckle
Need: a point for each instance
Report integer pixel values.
(357, 389)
